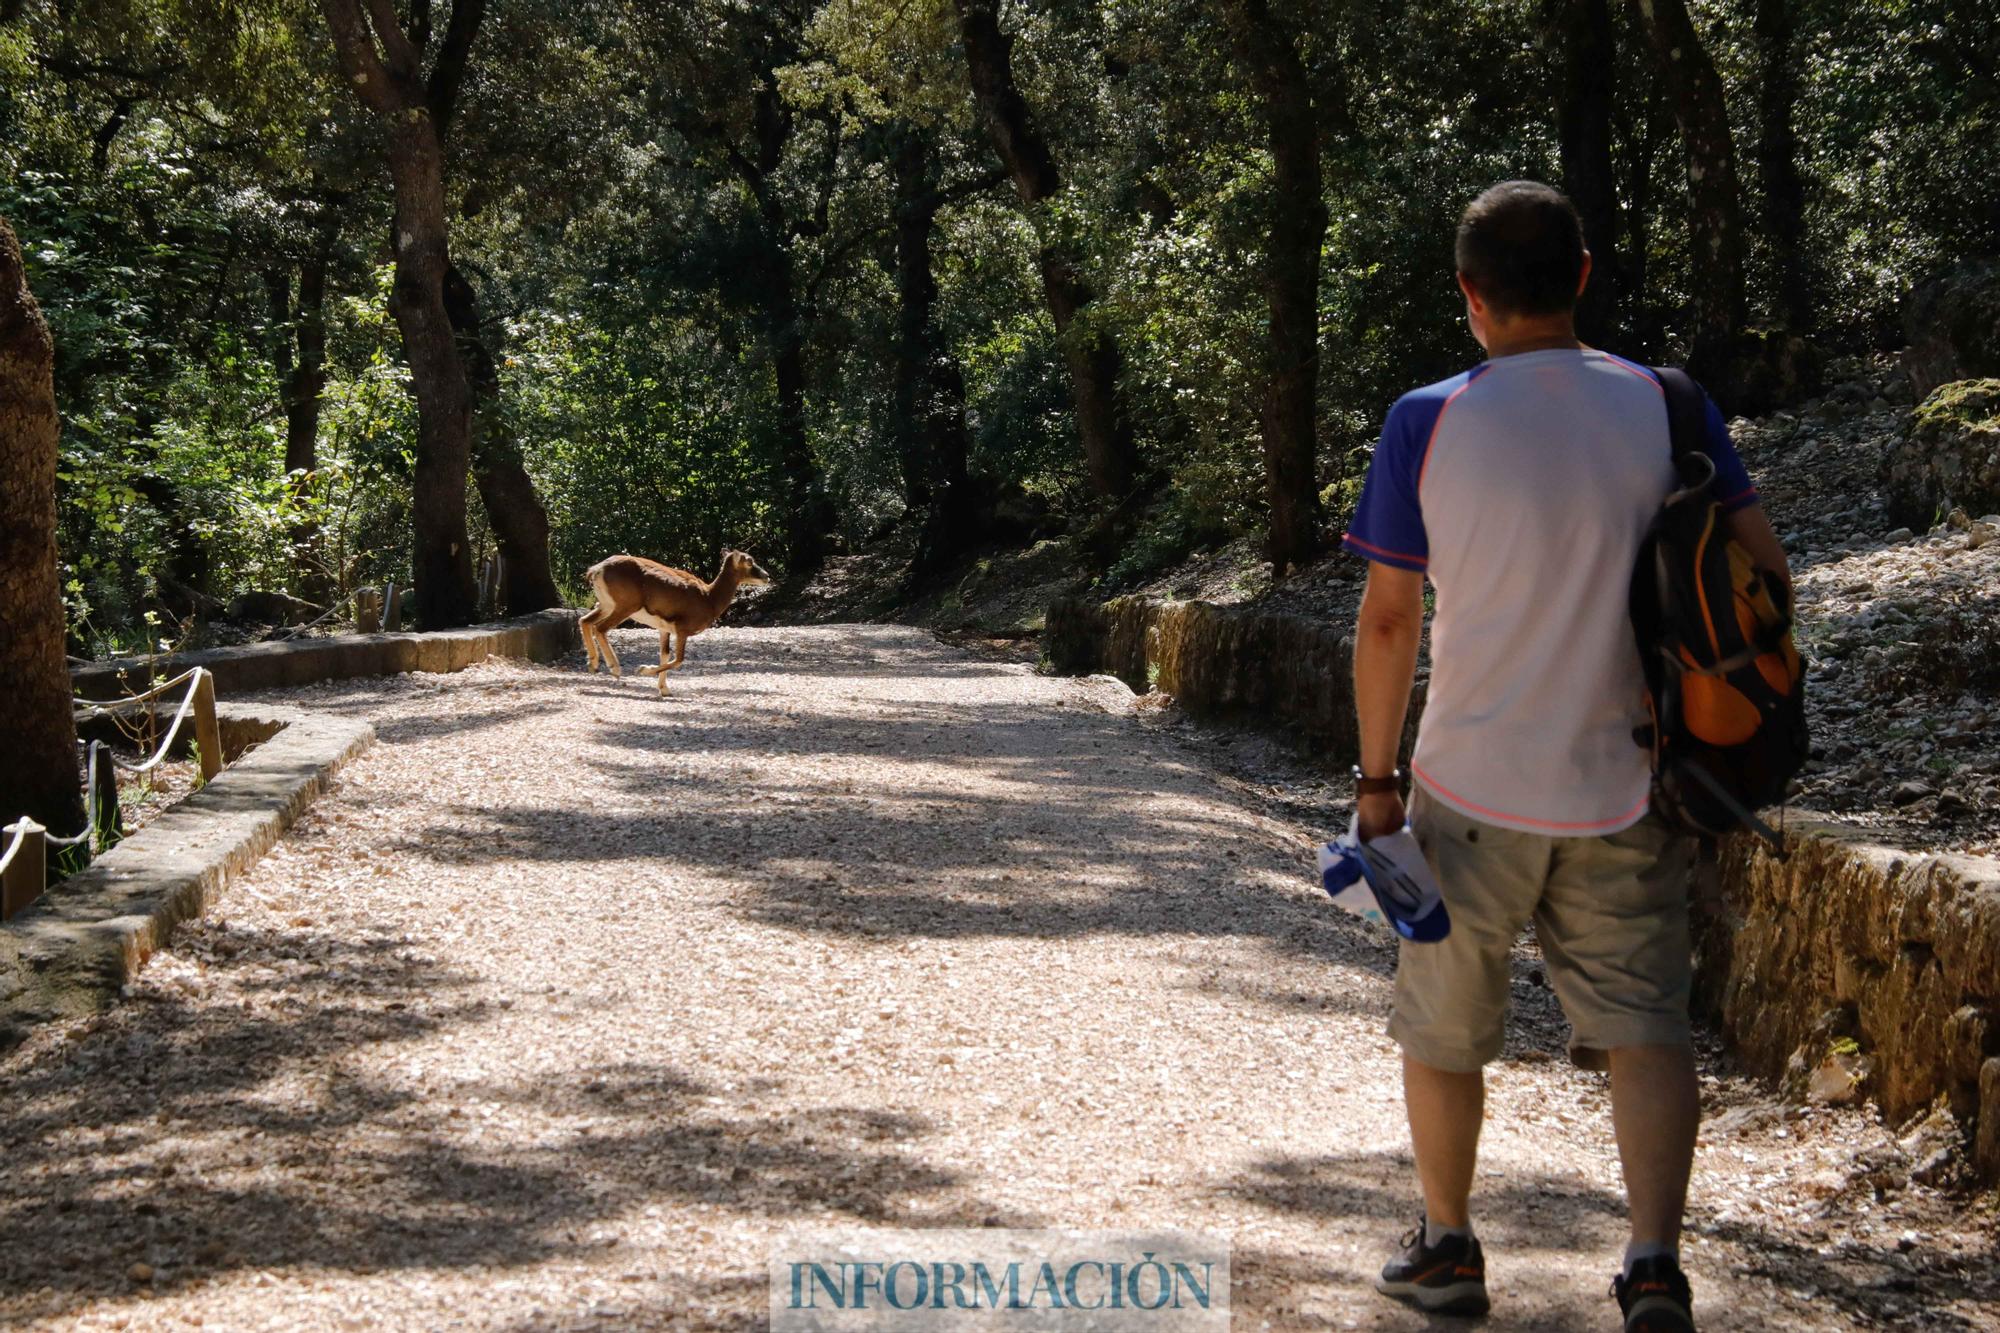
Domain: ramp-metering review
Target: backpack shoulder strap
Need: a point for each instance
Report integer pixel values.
(1687, 412)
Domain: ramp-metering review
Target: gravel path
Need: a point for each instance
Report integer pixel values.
(565, 1000)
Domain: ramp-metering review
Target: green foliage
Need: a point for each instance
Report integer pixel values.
(1164, 540)
(650, 442)
(1899, 127)
(655, 203)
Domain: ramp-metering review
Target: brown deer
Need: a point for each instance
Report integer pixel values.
(672, 601)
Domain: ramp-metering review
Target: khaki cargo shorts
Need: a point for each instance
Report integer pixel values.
(1610, 913)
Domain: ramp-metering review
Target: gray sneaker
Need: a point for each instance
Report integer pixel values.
(1446, 1278)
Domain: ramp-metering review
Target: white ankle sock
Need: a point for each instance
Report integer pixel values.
(1434, 1233)
(1638, 1250)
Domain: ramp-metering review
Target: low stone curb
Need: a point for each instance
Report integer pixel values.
(541, 637)
(74, 950)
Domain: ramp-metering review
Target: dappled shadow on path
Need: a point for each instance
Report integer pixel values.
(857, 651)
(907, 816)
(204, 1136)
(309, 1119)
(964, 822)
(1876, 1283)
(1520, 1211)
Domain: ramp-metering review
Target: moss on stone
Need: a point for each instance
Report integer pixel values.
(1962, 405)
(1950, 456)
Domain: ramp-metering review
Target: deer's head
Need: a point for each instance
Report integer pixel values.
(749, 574)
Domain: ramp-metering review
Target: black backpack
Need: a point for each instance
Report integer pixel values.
(1725, 684)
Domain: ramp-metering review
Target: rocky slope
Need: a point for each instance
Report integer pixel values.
(1901, 628)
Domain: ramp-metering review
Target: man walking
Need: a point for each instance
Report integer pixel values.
(1522, 489)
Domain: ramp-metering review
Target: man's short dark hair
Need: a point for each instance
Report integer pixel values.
(1520, 244)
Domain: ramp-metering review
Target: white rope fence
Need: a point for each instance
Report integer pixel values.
(24, 865)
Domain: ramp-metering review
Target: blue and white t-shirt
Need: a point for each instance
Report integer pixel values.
(1523, 488)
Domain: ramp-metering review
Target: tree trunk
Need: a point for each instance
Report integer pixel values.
(916, 291)
(307, 380)
(1089, 350)
(520, 526)
(1291, 279)
(442, 556)
(809, 513)
(390, 82)
(1588, 52)
(931, 442)
(1778, 176)
(1715, 204)
(1643, 126)
(520, 522)
(39, 778)
(300, 356)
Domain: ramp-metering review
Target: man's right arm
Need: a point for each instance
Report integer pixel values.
(1388, 531)
(1386, 638)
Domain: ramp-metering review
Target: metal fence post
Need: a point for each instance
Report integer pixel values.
(22, 880)
(207, 731)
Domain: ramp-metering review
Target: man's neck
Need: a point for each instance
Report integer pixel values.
(1539, 335)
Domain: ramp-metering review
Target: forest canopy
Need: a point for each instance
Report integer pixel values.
(359, 291)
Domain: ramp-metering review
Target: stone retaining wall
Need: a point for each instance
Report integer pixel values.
(1899, 953)
(1217, 662)
(1896, 951)
(541, 637)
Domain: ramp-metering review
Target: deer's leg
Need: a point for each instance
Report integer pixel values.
(656, 670)
(596, 641)
(680, 656)
(609, 617)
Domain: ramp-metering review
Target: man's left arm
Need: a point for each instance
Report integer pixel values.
(1751, 528)
(1748, 524)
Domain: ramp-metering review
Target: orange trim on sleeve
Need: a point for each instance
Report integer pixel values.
(1634, 370)
(1371, 549)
